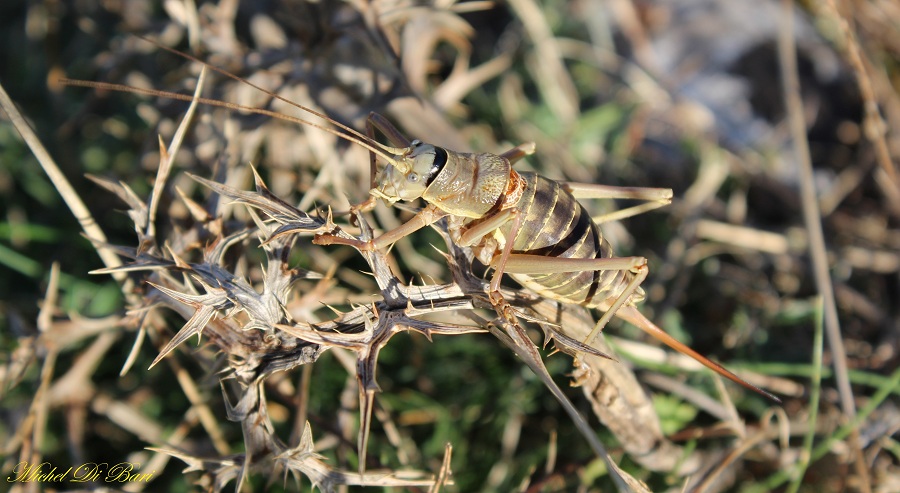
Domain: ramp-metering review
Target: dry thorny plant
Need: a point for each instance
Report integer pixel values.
(196, 257)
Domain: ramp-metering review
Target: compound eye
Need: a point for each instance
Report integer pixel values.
(412, 177)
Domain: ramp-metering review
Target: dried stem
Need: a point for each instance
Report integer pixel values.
(69, 195)
(813, 220)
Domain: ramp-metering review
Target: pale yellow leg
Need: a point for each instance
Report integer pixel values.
(496, 298)
(639, 275)
(537, 264)
(519, 151)
(474, 232)
(500, 265)
(654, 198)
(523, 263)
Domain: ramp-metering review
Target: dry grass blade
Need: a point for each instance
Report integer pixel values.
(444, 473)
(621, 404)
(304, 458)
(812, 219)
(518, 341)
(554, 80)
(874, 125)
(76, 205)
(292, 220)
(166, 155)
(680, 96)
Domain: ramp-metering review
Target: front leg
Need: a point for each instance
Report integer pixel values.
(429, 215)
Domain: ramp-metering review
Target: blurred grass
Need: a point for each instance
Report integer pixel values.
(463, 390)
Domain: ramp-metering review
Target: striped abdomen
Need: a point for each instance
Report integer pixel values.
(557, 225)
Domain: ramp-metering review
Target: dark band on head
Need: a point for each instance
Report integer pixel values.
(440, 159)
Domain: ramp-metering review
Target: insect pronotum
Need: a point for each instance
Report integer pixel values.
(521, 224)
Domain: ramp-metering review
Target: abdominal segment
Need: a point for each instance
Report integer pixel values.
(556, 225)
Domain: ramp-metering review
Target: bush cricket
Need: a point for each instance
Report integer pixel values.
(518, 223)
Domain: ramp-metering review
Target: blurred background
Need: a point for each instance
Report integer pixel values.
(686, 95)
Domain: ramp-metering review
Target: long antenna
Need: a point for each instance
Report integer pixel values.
(364, 142)
(347, 133)
(238, 78)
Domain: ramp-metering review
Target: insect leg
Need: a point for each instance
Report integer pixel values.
(500, 304)
(538, 264)
(653, 198)
(518, 152)
(523, 263)
(429, 215)
(620, 306)
(473, 232)
(640, 273)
